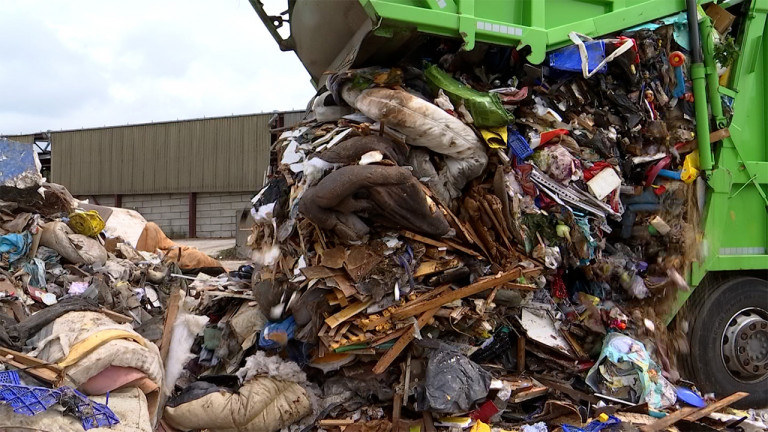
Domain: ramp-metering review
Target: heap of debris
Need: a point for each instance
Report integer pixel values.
(458, 241)
(463, 239)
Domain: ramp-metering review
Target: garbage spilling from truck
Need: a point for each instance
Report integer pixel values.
(458, 241)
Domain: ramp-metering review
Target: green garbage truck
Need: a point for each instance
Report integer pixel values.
(727, 311)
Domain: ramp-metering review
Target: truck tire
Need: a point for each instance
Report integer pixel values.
(729, 340)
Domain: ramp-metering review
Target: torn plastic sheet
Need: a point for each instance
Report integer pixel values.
(31, 400)
(15, 245)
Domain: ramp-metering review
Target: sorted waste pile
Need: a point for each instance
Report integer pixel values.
(463, 240)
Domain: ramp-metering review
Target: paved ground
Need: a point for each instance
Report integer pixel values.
(212, 247)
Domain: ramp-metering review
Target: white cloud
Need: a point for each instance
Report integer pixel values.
(67, 65)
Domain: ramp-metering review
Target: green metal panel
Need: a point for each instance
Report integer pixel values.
(542, 25)
(736, 218)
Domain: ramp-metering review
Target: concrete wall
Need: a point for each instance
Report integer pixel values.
(216, 211)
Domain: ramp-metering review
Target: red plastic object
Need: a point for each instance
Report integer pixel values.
(653, 171)
(676, 59)
(548, 135)
(485, 412)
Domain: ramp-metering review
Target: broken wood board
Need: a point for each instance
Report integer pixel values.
(333, 258)
(174, 301)
(669, 420)
(431, 267)
(347, 313)
(403, 342)
(39, 369)
(477, 287)
(536, 390)
(319, 272)
(445, 243)
(345, 285)
(722, 403)
(116, 317)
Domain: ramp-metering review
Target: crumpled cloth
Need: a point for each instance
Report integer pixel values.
(389, 195)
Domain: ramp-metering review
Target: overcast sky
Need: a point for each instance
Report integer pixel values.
(86, 63)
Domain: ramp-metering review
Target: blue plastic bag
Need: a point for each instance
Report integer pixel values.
(16, 245)
(593, 426)
(276, 335)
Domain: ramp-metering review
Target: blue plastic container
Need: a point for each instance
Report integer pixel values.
(569, 59)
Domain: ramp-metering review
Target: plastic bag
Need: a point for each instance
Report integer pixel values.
(625, 362)
(88, 223)
(453, 382)
(277, 335)
(486, 108)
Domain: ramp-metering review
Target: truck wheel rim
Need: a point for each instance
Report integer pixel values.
(744, 347)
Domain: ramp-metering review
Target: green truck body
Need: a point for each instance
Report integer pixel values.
(330, 35)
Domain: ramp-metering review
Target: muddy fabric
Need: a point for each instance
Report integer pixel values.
(391, 196)
(153, 238)
(261, 405)
(348, 152)
(54, 342)
(425, 125)
(19, 333)
(75, 248)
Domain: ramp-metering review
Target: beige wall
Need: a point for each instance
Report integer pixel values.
(227, 154)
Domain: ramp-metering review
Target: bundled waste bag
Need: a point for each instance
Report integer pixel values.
(625, 370)
(453, 382)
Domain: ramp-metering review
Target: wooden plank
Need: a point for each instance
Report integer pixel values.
(319, 272)
(529, 394)
(116, 317)
(341, 332)
(446, 243)
(521, 354)
(334, 422)
(170, 318)
(345, 285)
(429, 423)
(394, 335)
(432, 267)
(719, 135)
(347, 313)
(477, 287)
(397, 402)
(669, 420)
(722, 403)
(403, 342)
(47, 372)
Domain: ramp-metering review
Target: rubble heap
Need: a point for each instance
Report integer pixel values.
(459, 239)
(451, 241)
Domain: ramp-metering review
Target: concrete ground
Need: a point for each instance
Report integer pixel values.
(212, 247)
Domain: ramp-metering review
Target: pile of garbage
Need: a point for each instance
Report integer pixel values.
(454, 241)
(464, 240)
(84, 294)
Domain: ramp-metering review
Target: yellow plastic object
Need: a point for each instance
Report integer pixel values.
(495, 137)
(690, 167)
(85, 346)
(480, 427)
(88, 223)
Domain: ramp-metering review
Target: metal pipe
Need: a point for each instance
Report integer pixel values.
(699, 82)
(713, 81)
